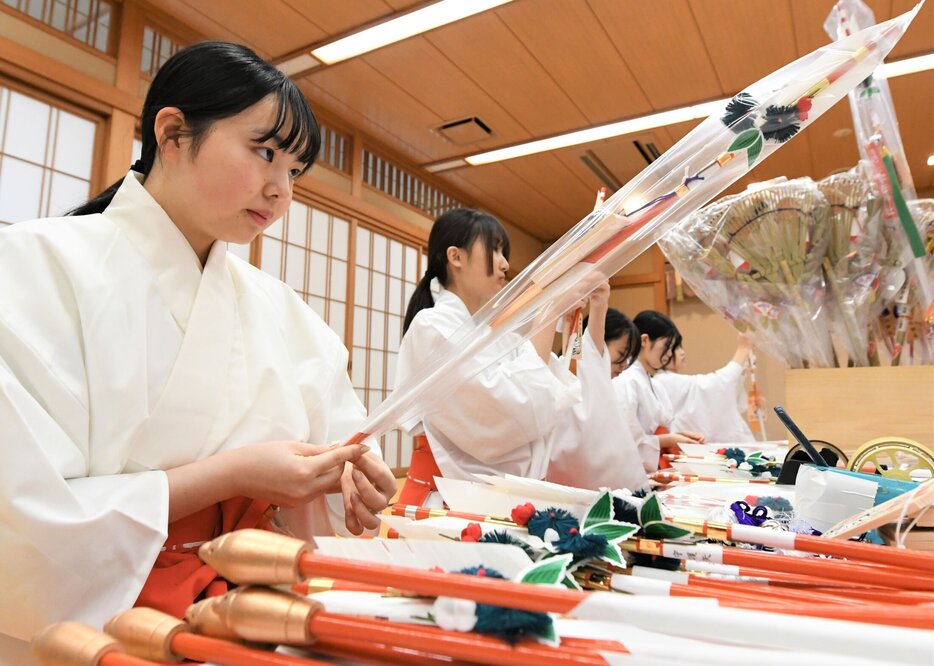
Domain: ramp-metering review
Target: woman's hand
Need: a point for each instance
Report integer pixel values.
(290, 473)
(287, 473)
(596, 323)
(673, 439)
(367, 486)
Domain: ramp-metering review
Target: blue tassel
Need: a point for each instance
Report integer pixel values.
(582, 546)
(559, 520)
(500, 536)
(507, 623)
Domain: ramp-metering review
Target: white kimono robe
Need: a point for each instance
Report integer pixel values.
(120, 358)
(647, 408)
(712, 404)
(594, 444)
(517, 414)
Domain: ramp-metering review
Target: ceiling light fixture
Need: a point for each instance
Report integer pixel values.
(641, 123)
(388, 32)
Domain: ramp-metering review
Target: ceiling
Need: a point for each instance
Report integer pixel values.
(534, 68)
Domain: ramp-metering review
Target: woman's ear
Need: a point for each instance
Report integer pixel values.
(169, 127)
(645, 340)
(454, 256)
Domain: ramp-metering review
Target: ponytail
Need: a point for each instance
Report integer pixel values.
(420, 300)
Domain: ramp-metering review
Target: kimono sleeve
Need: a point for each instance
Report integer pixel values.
(600, 451)
(495, 412)
(72, 546)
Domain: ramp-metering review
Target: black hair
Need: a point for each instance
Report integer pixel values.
(458, 227)
(211, 81)
(657, 326)
(675, 345)
(618, 325)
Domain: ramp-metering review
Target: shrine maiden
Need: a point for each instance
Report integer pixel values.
(525, 414)
(645, 404)
(156, 390)
(713, 403)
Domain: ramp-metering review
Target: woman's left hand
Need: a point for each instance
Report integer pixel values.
(367, 486)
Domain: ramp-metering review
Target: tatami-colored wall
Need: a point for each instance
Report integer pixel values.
(710, 342)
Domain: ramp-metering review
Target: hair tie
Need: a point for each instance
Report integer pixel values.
(435, 288)
(138, 167)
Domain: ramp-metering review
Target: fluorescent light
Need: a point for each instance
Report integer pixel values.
(298, 64)
(930, 160)
(402, 27)
(610, 130)
(632, 125)
(890, 70)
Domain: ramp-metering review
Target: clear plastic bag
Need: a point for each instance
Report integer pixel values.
(758, 257)
(852, 264)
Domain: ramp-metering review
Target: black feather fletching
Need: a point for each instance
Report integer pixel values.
(737, 115)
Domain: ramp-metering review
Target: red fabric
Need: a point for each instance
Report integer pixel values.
(664, 463)
(420, 482)
(179, 578)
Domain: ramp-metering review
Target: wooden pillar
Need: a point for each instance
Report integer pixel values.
(120, 128)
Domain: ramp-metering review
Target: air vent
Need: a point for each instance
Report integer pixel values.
(648, 150)
(601, 170)
(465, 130)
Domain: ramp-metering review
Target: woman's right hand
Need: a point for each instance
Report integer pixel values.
(289, 473)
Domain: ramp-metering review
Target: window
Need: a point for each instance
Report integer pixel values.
(307, 249)
(385, 275)
(157, 48)
(46, 155)
(88, 21)
(335, 149)
(390, 178)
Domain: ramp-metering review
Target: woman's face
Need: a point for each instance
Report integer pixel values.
(475, 274)
(677, 362)
(234, 186)
(655, 354)
(619, 354)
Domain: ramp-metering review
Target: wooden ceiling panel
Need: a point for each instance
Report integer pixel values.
(400, 118)
(535, 213)
(277, 29)
(489, 54)
(570, 43)
(830, 152)
(338, 17)
(447, 91)
(621, 156)
(661, 43)
(549, 176)
(745, 40)
(480, 197)
(920, 36)
(212, 27)
(808, 18)
(914, 99)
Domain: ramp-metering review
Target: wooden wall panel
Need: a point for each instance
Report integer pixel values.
(572, 45)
